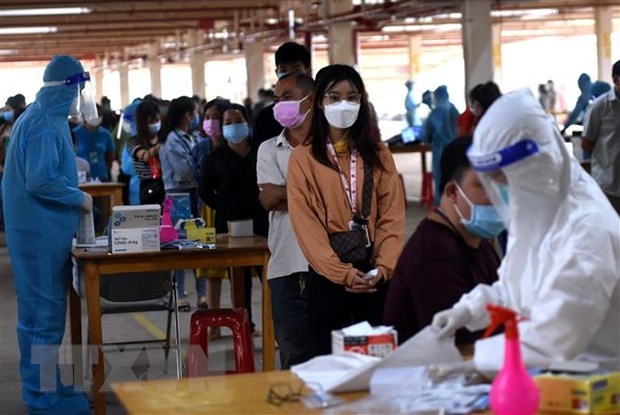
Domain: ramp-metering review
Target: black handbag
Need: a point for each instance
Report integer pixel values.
(354, 246)
(152, 192)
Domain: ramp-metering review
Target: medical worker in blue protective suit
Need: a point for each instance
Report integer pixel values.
(576, 116)
(561, 271)
(439, 130)
(128, 124)
(42, 203)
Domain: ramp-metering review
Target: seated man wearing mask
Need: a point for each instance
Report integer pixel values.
(449, 253)
(561, 269)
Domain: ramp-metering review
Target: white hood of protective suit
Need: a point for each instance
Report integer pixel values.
(562, 266)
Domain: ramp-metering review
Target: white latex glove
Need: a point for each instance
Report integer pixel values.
(441, 371)
(447, 322)
(87, 203)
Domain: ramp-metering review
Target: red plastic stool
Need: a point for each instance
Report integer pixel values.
(238, 321)
(426, 198)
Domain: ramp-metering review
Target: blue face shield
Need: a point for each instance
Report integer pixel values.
(484, 222)
(236, 133)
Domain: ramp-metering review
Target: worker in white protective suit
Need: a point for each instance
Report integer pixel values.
(561, 271)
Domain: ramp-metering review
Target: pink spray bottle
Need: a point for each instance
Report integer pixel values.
(513, 391)
(167, 232)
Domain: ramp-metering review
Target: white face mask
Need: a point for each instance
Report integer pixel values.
(342, 114)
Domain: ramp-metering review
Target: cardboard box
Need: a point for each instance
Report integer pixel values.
(579, 394)
(135, 229)
(241, 227)
(379, 345)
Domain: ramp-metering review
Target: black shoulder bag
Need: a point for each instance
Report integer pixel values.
(354, 246)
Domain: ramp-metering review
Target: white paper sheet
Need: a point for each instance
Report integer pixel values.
(422, 349)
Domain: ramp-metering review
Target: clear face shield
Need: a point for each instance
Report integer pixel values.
(84, 103)
(489, 168)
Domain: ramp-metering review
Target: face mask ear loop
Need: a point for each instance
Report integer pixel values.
(471, 205)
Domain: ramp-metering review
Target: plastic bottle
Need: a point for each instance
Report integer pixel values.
(167, 232)
(513, 391)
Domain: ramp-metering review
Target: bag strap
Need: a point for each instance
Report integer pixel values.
(367, 191)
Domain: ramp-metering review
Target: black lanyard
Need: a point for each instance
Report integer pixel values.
(443, 215)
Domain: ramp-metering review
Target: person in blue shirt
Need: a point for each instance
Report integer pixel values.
(413, 118)
(42, 204)
(439, 129)
(129, 127)
(94, 144)
(576, 116)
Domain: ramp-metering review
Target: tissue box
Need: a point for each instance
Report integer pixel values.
(134, 229)
(579, 394)
(240, 227)
(379, 345)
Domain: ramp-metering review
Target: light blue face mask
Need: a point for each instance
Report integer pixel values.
(8, 115)
(484, 223)
(236, 133)
(154, 128)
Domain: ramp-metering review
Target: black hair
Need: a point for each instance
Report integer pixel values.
(145, 110)
(359, 134)
(486, 94)
(220, 103)
(454, 162)
(305, 83)
(291, 52)
(177, 109)
(615, 70)
(240, 108)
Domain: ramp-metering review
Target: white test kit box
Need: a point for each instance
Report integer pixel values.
(135, 228)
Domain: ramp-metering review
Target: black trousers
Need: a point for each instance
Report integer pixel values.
(291, 318)
(247, 290)
(332, 308)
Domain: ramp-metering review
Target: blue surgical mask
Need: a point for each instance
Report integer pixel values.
(195, 122)
(236, 133)
(484, 223)
(8, 115)
(155, 127)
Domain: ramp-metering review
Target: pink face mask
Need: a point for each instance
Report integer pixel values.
(212, 128)
(287, 113)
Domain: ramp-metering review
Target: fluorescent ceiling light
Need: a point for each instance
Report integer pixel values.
(27, 30)
(45, 12)
(5, 52)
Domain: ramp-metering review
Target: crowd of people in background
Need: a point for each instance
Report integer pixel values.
(308, 166)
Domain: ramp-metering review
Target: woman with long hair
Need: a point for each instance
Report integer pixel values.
(347, 207)
(178, 172)
(228, 185)
(144, 149)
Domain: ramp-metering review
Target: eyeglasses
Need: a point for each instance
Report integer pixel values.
(311, 395)
(280, 393)
(333, 97)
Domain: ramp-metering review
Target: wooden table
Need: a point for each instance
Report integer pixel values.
(232, 394)
(113, 191)
(228, 252)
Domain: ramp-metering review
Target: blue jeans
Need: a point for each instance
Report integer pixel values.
(201, 285)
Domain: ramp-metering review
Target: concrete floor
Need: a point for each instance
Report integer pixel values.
(149, 325)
